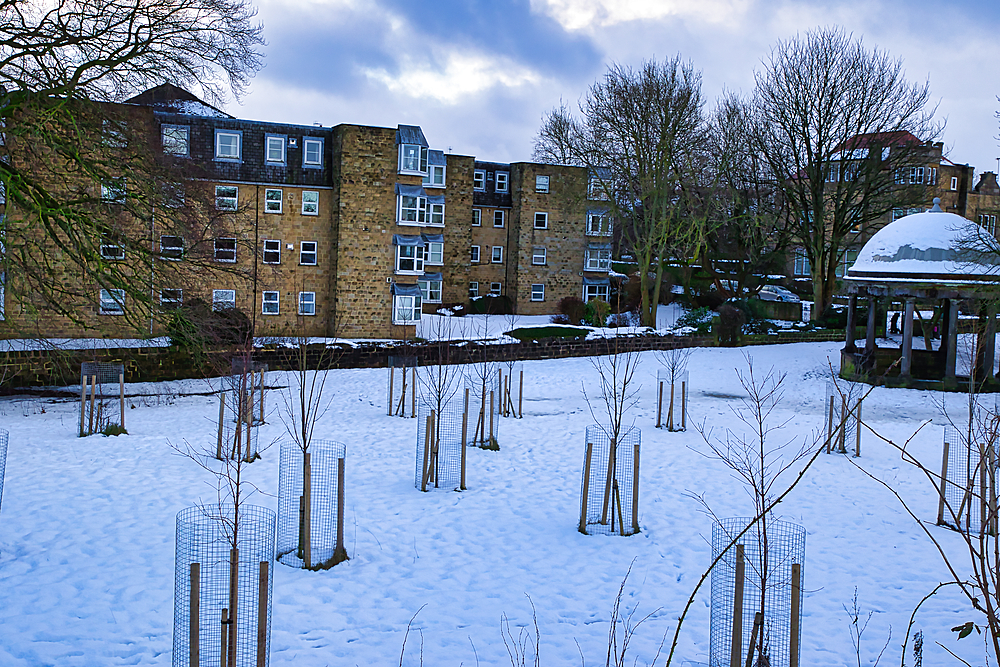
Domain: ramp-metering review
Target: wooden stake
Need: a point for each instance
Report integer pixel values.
(793, 643)
(413, 394)
(402, 396)
(736, 641)
(83, 403)
(684, 405)
(670, 410)
(829, 426)
(992, 491)
(194, 615)
(842, 439)
(339, 550)
(435, 449)
(93, 397)
(427, 453)
(121, 398)
(222, 417)
(490, 440)
(983, 492)
(262, 615)
(392, 378)
(465, 426)
(857, 437)
(944, 483)
(300, 551)
(607, 484)
(307, 509)
(520, 397)
(659, 404)
(758, 621)
(635, 489)
(618, 504)
(234, 588)
(586, 488)
(224, 643)
(262, 396)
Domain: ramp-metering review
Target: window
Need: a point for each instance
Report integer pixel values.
(173, 194)
(171, 298)
(597, 260)
(410, 258)
(172, 247)
(111, 247)
(436, 214)
(538, 256)
(931, 175)
(502, 178)
(833, 175)
(405, 309)
(898, 213)
(473, 290)
(435, 176)
(595, 189)
(272, 251)
(598, 223)
(801, 267)
(431, 290)
(435, 252)
(477, 217)
(226, 197)
(310, 202)
(954, 183)
(474, 252)
(538, 292)
(479, 180)
(497, 257)
(269, 303)
(413, 158)
(498, 218)
(272, 200)
(274, 149)
(541, 220)
(591, 292)
(223, 299)
(175, 139)
(114, 133)
(312, 152)
(113, 191)
(307, 303)
(228, 145)
(225, 250)
(916, 175)
(988, 222)
(412, 210)
(496, 289)
(307, 253)
(541, 183)
(112, 301)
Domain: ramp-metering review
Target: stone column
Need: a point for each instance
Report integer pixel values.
(949, 364)
(852, 316)
(870, 331)
(989, 343)
(907, 357)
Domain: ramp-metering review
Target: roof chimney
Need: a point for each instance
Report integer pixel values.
(987, 184)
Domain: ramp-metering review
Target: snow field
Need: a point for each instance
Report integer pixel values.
(87, 527)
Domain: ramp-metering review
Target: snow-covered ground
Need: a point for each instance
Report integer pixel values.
(87, 528)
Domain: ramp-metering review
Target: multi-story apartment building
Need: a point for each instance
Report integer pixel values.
(355, 230)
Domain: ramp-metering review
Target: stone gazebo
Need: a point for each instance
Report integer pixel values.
(922, 258)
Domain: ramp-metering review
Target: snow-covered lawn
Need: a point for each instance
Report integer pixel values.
(87, 528)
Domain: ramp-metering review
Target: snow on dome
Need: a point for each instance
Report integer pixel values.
(931, 245)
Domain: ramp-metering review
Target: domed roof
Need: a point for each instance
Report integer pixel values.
(930, 246)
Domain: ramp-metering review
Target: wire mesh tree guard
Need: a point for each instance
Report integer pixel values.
(401, 391)
(510, 389)
(757, 593)
(4, 437)
(967, 495)
(441, 444)
(311, 505)
(104, 407)
(609, 499)
(247, 379)
(843, 416)
(671, 399)
(222, 586)
(483, 406)
(241, 409)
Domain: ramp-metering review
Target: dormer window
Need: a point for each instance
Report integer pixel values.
(275, 149)
(412, 159)
(502, 178)
(479, 180)
(228, 144)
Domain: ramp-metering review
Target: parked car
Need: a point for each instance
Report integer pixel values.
(776, 293)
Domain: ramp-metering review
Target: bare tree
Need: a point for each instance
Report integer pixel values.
(836, 120)
(640, 134)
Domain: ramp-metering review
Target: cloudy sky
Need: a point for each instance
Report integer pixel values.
(478, 75)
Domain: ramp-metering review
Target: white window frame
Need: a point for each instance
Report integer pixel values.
(496, 254)
(543, 218)
(307, 303)
(114, 133)
(479, 180)
(499, 215)
(228, 154)
(477, 217)
(538, 292)
(175, 137)
(591, 292)
(954, 183)
(435, 177)
(307, 250)
(173, 195)
(270, 302)
(596, 260)
(434, 254)
(931, 175)
(310, 202)
(988, 221)
(430, 293)
(114, 191)
(603, 227)
(169, 250)
(412, 159)
(504, 178)
(112, 248)
(595, 190)
(271, 251)
(223, 250)
(473, 289)
(111, 302)
(171, 302)
(312, 144)
(538, 256)
(227, 197)
(800, 265)
(474, 254)
(272, 200)
(496, 289)
(411, 210)
(274, 149)
(403, 254)
(402, 304)
(223, 299)
(541, 184)
(435, 215)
